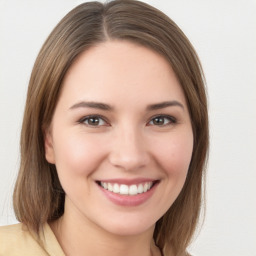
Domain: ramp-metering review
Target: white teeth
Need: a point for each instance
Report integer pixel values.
(140, 188)
(123, 189)
(145, 188)
(116, 188)
(133, 190)
(110, 187)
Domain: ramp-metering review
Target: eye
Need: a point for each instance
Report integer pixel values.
(162, 120)
(93, 120)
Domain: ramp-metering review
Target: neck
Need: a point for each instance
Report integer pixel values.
(80, 237)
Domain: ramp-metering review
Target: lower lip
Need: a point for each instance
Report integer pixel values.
(128, 200)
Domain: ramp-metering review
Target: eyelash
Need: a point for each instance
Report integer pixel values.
(87, 118)
(170, 120)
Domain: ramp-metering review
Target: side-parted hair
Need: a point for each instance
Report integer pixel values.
(38, 196)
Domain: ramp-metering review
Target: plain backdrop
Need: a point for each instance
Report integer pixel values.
(224, 35)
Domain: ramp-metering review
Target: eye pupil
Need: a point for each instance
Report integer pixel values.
(158, 121)
(93, 121)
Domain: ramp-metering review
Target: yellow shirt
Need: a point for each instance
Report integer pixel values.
(15, 240)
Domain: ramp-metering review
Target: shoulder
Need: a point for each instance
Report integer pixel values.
(12, 233)
(17, 240)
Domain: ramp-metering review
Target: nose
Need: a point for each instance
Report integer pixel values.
(129, 150)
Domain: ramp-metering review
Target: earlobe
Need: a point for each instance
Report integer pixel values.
(48, 146)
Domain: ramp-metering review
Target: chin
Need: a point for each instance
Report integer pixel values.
(129, 226)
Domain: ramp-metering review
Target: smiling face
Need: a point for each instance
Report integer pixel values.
(120, 137)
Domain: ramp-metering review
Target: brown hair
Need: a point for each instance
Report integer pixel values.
(38, 196)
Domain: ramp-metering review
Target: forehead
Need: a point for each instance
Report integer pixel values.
(122, 71)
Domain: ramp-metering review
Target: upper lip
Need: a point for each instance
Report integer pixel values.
(128, 181)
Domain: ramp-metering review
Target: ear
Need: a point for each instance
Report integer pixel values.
(48, 147)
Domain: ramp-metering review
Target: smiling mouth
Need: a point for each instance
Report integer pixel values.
(124, 189)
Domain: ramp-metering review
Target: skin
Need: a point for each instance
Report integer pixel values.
(127, 143)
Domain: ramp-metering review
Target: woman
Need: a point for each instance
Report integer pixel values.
(114, 138)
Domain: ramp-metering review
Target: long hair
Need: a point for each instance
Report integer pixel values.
(38, 196)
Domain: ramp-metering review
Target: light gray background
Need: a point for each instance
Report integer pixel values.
(224, 35)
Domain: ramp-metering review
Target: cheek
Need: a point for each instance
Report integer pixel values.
(174, 155)
(77, 155)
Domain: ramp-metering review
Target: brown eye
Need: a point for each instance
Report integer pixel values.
(93, 121)
(162, 120)
(158, 121)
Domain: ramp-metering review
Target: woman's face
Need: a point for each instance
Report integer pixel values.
(120, 137)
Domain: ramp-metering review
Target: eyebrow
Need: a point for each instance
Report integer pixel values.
(92, 104)
(165, 104)
(106, 107)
